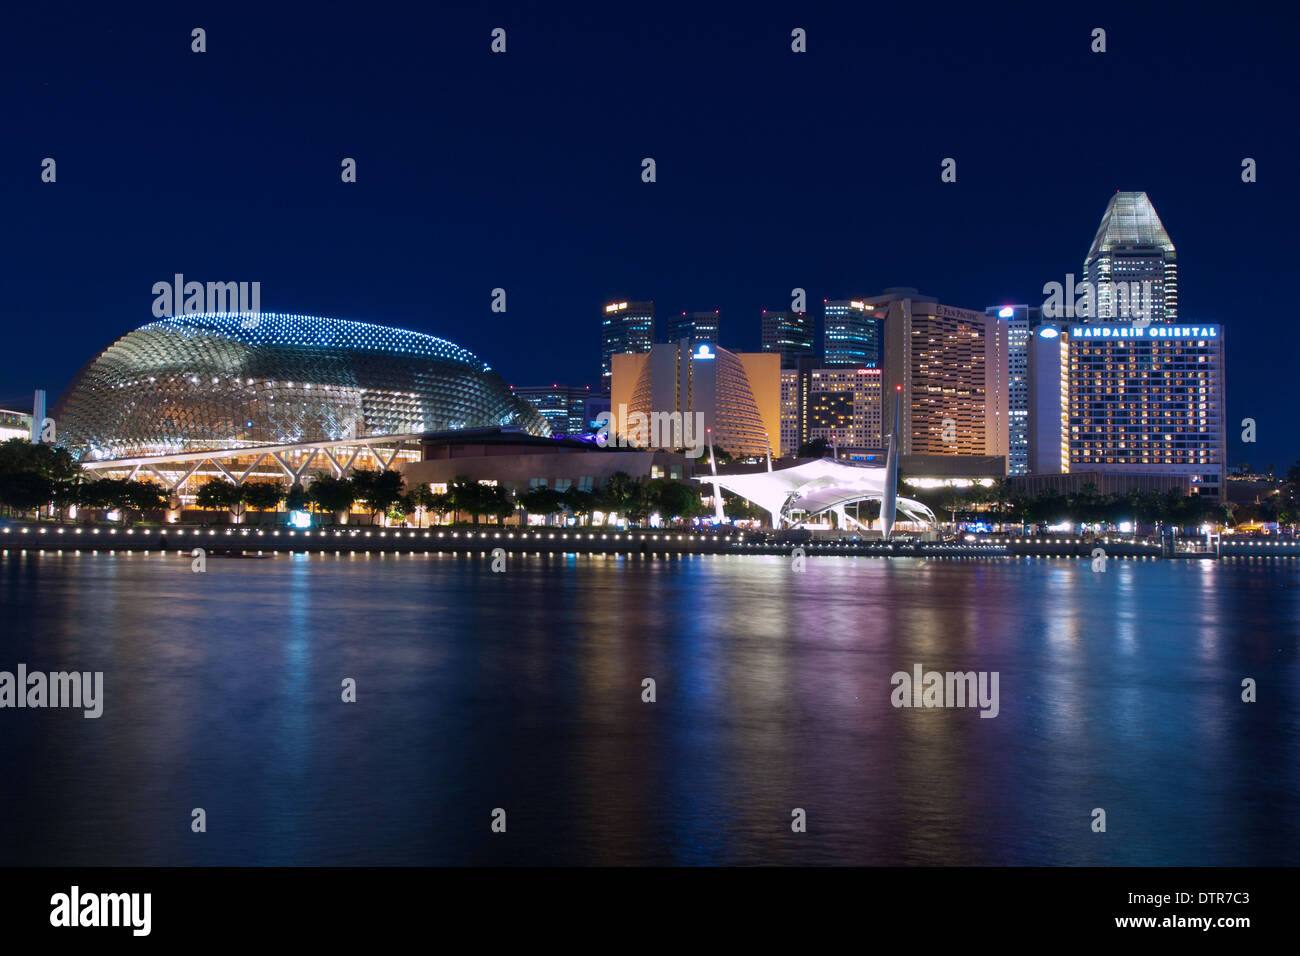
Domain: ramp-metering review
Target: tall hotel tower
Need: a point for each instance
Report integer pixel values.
(1129, 399)
(624, 327)
(952, 367)
(1132, 245)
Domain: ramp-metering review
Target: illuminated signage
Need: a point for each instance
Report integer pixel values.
(1145, 332)
(704, 352)
(1047, 332)
(858, 305)
(615, 306)
(1006, 312)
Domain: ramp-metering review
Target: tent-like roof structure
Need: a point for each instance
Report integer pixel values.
(816, 487)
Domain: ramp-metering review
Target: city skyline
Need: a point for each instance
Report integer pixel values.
(426, 234)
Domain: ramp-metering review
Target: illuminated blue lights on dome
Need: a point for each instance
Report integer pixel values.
(217, 381)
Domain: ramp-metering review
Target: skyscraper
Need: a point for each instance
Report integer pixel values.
(563, 406)
(1132, 246)
(624, 327)
(845, 409)
(738, 393)
(1020, 321)
(789, 334)
(1131, 398)
(851, 334)
(696, 326)
(952, 367)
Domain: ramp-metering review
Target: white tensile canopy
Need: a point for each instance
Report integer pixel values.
(815, 487)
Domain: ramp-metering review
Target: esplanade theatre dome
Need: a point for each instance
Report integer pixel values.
(220, 381)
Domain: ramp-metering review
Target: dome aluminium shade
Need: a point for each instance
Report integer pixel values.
(220, 381)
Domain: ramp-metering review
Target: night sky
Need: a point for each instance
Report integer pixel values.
(523, 170)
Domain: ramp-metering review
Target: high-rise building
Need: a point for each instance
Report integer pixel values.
(850, 334)
(790, 335)
(952, 369)
(624, 327)
(1139, 399)
(696, 326)
(1048, 434)
(563, 406)
(844, 409)
(1132, 246)
(791, 412)
(738, 393)
(1020, 321)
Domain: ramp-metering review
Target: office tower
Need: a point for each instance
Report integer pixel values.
(790, 335)
(952, 367)
(850, 335)
(563, 406)
(624, 327)
(1020, 321)
(696, 326)
(1132, 247)
(739, 394)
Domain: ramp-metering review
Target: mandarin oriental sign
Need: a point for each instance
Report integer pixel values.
(1145, 332)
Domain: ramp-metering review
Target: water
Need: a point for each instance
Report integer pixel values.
(522, 691)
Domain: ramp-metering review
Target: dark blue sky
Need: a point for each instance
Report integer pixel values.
(522, 171)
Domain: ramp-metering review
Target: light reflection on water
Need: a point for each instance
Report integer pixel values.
(523, 691)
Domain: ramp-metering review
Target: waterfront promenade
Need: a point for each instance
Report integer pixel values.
(250, 540)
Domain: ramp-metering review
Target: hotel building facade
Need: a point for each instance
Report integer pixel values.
(738, 393)
(1130, 398)
(952, 368)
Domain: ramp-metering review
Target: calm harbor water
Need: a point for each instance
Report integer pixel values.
(522, 691)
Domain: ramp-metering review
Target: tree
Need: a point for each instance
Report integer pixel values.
(409, 504)
(263, 495)
(673, 499)
(541, 501)
(297, 499)
(332, 495)
(218, 494)
(580, 503)
(380, 490)
(498, 503)
(145, 496)
(419, 499)
(616, 492)
(439, 503)
(25, 491)
(736, 506)
(51, 469)
(471, 497)
(817, 448)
